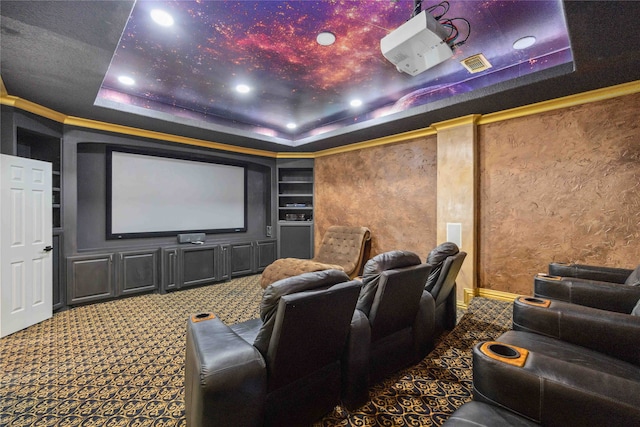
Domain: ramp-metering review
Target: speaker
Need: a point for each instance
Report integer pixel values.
(198, 238)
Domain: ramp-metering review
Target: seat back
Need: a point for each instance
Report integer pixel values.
(397, 300)
(447, 279)
(344, 246)
(316, 280)
(310, 332)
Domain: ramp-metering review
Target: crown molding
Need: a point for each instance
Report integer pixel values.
(31, 107)
(471, 119)
(296, 155)
(564, 102)
(527, 110)
(3, 89)
(391, 139)
(109, 127)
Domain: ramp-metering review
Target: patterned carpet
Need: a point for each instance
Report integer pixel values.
(121, 363)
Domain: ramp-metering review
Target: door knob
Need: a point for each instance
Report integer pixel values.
(48, 248)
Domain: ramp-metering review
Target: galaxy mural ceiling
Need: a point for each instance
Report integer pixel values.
(291, 71)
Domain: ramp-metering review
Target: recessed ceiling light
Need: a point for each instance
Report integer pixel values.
(243, 88)
(326, 38)
(126, 80)
(355, 103)
(524, 42)
(291, 126)
(162, 18)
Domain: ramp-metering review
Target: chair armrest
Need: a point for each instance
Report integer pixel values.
(424, 327)
(555, 383)
(614, 334)
(355, 362)
(591, 293)
(591, 272)
(225, 376)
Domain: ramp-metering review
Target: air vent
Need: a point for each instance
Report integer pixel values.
(476, 63)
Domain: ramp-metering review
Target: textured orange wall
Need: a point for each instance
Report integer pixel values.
(390, 189)
(559, 186)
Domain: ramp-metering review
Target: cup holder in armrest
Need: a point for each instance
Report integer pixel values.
(538, 302)
(202, 316)
(506, 353)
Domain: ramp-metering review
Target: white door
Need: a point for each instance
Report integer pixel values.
(26, 279)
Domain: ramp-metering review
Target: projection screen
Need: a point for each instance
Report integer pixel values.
(151, 194)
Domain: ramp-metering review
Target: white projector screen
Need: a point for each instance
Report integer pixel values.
(149, 194)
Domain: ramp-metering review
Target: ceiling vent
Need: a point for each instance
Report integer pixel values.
(476, 63)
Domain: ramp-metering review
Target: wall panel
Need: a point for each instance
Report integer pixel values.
(391, 189)
(559, 186)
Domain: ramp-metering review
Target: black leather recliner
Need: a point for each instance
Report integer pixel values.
(556, 383)
(569, 351)
(610, 333)
(281, 369)
(393, 324)
(446, 260)
(563, 365)
(606, 288)
(595, 272)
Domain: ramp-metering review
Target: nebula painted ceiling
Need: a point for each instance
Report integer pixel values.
(296, 89)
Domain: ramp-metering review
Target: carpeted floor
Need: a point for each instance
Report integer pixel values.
(121, 363)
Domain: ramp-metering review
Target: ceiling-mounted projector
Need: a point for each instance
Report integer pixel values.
(417, 45)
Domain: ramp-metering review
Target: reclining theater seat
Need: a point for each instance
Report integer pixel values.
(283, 369)
(446, 260)
(563, 365)
(393, 324)
(610, 333)
(595, 272)
(342, 248)
(602, 340)
(556, 385)
(606, 288)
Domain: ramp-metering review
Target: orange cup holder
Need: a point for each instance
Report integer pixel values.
(202, 316)
(504, 350)
(538, 302)
(506, 353)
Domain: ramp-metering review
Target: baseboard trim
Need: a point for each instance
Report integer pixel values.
(485, 293)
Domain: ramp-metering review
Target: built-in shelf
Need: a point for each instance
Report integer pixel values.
(295, 210)
(295, 194)
(47, 148)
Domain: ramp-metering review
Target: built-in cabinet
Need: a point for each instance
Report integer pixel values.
(90, 269)
(137, 271)
(265, 254)
(242, 259)
(59, 291)
(96, 277)
(90, 278)
(295, 208)
(225, 262)
(198, 265)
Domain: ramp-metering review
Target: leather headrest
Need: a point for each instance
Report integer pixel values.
(442, 252)
(436, 257)
(388, 261)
